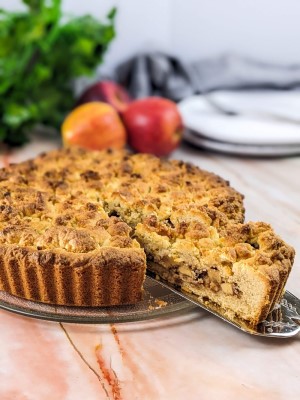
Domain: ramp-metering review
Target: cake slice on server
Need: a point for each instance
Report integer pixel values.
(239, 271)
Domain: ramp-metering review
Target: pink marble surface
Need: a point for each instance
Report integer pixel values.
(185, 356)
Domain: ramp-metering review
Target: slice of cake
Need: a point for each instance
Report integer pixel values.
(239, 271)
(189, 222)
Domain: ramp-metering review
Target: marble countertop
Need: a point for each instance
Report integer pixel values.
(191, 355)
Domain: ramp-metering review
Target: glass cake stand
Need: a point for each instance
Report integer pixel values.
(157, 301)
(160, 299)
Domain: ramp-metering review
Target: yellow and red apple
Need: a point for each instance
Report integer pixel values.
(94, 126)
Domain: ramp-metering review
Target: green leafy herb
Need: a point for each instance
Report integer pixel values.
(41, 54)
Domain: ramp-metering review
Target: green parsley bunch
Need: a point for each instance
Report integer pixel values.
(42, 52)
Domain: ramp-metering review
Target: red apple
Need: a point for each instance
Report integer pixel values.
(153, 125)
(108, 92)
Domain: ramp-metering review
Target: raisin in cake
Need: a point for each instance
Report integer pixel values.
(189, 222)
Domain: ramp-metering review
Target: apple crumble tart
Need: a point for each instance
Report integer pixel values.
(76, 226)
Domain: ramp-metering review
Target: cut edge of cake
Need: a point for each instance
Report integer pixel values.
(234, 278)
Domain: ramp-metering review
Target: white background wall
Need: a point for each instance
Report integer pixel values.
(193, 29)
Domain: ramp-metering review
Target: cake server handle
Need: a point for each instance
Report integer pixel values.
(296, 320)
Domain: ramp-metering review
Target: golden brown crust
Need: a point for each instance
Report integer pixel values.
(142, 181)
(79, 205)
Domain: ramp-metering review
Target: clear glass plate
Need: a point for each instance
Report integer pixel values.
(157, 301)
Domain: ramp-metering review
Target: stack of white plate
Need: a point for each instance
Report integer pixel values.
(262, 123)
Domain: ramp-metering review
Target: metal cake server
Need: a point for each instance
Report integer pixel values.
(282, 322)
